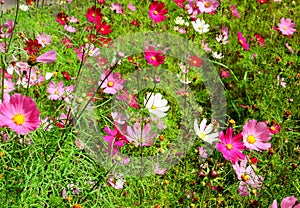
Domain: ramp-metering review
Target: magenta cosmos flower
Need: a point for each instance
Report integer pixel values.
(114, 137)
(243, 41)
(255, 134)
(231, 147)
(157, 11)
(20, 114)
(154, 57)
(286, 26)
(112, 83)
(287, 202)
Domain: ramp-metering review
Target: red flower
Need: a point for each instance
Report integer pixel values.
(260, 39)
(195, 61)
(30, 2)
(104, 41)
(103, 28)
(254, 160)
(94, 14)
(135, 23)
(62, 18)
(262, 1)
(32, 47)
(66, 75)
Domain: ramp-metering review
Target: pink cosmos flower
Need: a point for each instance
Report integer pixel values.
(157, 11)
(286, 26)
(118, 8)
(20, 114)
(116, 181)
(192, 8)
(158, 170)
(8, 86)
(6, 29)
(274, 128)
(69, 28)
(287, 202)
(255, 134)
(202, 152)
(114, 137)
(205, 46)
(131, 7)
(56, 92)
(112, 83)
(231, 147)
(243, 41)
(140, 137)
(47, 57)
(2, 47)
(43, 39)
(290, 48)
(67, 42)
(74, 20)
(154, 57)
(234, 11)
(208, 6)
(225, 73)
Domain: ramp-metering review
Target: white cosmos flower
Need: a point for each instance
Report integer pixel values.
(217, 56)
(24, 7)
(179, 21)
(206, 132)
(200, 26)
(156, 105)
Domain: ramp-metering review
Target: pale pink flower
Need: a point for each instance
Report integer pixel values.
(56, 92)
(118, 8)
(205, 46)
(47, 57)
(2, 47)
(43, 39)
(116, 181)
(19, 114)
(255, 134)
(140, 136)
(192, 8)
(286, 26)
(208, 6)
(131, 7)
(287, 202)
(290, 48)
(8, 86)
(158, 170)
(70, 28)
(74, 20)
(6, 29)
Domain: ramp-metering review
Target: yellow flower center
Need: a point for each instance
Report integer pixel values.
(5, 87)
(199, 28)
(207, 4)
(229, 146)
(155, 12)
(102, 29)
(56, 92)
(153, 58)
(63, 19)
(110, 84)
(19, 119)
(202, 135)
(273, 128)
(241, 42)
(44, 41)
(245, 177)
(93, 15)
(153, 107)
(251, 139)
(284, 28)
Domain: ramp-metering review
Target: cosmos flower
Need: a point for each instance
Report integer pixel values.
(287, 202)
(43, 39)
(231, 147)
(20, 114)
(234, 11)
(112, 83)
(140, 136)
(286, 26)
(200, 26)
(154, 57)
(242, 41)
(156, 105)
(206, 133)
(255, 134)
(94, 14)
(103, 28)
(208, 6)
(157, 11)
(114, 137)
